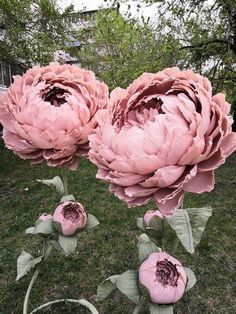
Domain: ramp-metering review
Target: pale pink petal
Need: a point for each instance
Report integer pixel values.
(202, 182)
(168, 200)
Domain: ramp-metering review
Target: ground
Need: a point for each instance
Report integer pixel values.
(111, 247)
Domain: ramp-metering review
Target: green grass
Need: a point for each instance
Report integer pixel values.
(110, 248)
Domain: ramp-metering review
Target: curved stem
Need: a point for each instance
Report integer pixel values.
(139, 306)
(82, 302)
(65, 182)
(26, 301)
(35, 275)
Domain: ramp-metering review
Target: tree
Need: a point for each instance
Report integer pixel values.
(119, 50)
(206, 31)
(31, 30)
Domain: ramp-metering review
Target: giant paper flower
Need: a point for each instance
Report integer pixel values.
(49, 112)
(164, 135)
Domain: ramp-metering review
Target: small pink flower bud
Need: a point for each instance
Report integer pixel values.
(150, 214)
(69, 218)
(163, 277)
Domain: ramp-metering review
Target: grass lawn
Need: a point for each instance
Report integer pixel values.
(111, 247)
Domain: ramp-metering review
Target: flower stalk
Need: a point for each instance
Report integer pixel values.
(163, 234)
(65, 181)
(82, 302)
(26, 301)
(33, 279)
(139, 306)
(176, 241)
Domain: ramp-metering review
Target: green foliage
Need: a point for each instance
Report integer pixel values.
(198, 35)
(56, 182)
(107, 287)
(160, 309)
(206, 31)
(120, 50)
(25, 263)
(146, 247)
(189, 225)
(191, 278)
(68, 244)
(91, 222)
(31, 30)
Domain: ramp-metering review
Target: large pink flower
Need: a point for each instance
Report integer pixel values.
(163, 135)
(164, 278)
(49, 112)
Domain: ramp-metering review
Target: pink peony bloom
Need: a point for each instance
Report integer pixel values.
(45, 217)
(150, 214)
(49, 112)
(164, 278)
(69, 218)
(164, 135)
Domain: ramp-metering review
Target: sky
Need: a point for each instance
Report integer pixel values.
(146, 10)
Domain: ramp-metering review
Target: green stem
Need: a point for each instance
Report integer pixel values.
(163, 233)
(176, 241)
(139, 306)
(176, 244)
(26, 301)
(65, 181)
(82, 302)
(35, 275)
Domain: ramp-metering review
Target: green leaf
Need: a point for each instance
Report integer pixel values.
(91, 222)
(191, 278)
(56, 182)
(154, 233)
(180, 222)
(140, 223)
(160, 309)
(107, 287)
(68, 244)
(143, 238)
(189, 225)
(66, 198)
(156, 223)
(25, 262)
(198, 219)
(30, 230)
(146, 247)
(44, 227)
(127, 283)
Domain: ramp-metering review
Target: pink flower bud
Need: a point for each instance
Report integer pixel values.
(164, 277)
(150, 214)
(45, 217)
(69, 218)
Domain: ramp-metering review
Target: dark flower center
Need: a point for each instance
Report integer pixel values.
(154, 103)
(166, 273)
(72, 212)
(56, 96)
(139, 114)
